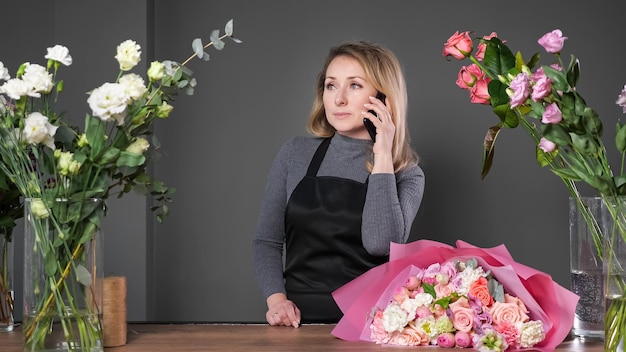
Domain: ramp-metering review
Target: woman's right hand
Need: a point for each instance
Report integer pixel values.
(281, 311)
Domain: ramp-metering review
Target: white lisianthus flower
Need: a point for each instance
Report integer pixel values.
(108, 102)
(38, 79)
(15, 88)
(156, 71)
(66, 164)
(59, 53)
(133, 85)
(37, 130)
(38, 208)
(128, 54)
(164, 110)
(4, 72)
(139, 146)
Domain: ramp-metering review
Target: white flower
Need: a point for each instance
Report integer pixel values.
(410, 305)
(428, 326)
(530, 333)
(466, 277)
(128, 54)
(170, 67)
(37, 130)
(38, 208)
(156, 71)
(108, 102)
(139, 146)
(60, 54)
(394, 318)
(423, 299)
(133, 85)
(15, 88)
(164, 110)
(66, 164)
(4, 72)
(38, 79)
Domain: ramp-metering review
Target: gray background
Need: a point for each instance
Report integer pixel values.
(251, 97)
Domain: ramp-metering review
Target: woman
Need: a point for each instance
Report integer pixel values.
(336, 200)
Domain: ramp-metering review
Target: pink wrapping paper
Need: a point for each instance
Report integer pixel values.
(545, 299)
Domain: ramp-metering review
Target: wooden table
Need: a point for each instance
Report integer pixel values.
(249, 337)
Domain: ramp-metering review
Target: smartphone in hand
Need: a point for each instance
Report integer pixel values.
(371, 129)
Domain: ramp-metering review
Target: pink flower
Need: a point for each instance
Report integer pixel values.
(378, 332)
(552, 114)
(401, 294)
(462, 339)
(423, 312)
(546, 145)
(412, 283)
(480, 50)
(446, 340)
(520, 85)
(507, 312)
(479, 94)
(480, 291)
(552, 41)
(508, 331)
(462, 315)
(459, 46)
(468, 75)
(409, 336)
(542, 86)
(444, 290)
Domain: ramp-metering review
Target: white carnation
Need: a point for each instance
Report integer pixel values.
(15, 88)
(128, 54)
(133, 85)
(466, 277)
(530, 333)
(410, 305)
(37, 130)
(394, 318)
(108, 102)
(60, 54)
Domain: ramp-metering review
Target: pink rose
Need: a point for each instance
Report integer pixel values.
(546, 145)
(401, 294)
(462, 339)
(512, 299)
(507, 312)
(542, 86)
(412, 283)
(409, 336)
(480, 291)
(444, 290)
(423, 312)
(479, 94)
(552, 114)
(553, 41)
(459, 46)
(520, 85)
(480, 50)
(462, 315)
(445, 340)
(468, 75)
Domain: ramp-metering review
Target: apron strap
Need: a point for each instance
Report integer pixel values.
(318, 157)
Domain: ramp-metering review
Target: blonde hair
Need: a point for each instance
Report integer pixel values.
(384, 72)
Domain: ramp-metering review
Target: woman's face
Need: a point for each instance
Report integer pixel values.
(346, 90)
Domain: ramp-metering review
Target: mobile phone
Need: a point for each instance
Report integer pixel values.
(369, 126)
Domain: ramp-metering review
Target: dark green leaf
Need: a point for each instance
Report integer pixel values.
(489, 149)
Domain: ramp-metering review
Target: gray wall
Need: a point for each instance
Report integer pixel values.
(251, 97)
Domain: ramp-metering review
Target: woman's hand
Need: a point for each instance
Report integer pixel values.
(281, 311)
(385, 131)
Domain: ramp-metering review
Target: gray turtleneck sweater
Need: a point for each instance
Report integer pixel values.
(391, 202)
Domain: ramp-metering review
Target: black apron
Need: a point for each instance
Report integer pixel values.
(323, 241)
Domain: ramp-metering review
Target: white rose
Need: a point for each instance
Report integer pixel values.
(15, 88)
(38, 79)
(108, 102)
(60, 54)
(37, 130)
(128, 54)
(133, 85)
(4, 72)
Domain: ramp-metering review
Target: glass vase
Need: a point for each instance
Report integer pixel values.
(614, 259)
(586, 266)
(6, 280)
(63, 272)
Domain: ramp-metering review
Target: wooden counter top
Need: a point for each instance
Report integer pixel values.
(248, 338)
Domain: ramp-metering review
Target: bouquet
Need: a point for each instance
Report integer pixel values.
(58, 169)
(430, 293)
(567, 134)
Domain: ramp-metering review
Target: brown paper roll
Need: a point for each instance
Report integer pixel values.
(114, 311)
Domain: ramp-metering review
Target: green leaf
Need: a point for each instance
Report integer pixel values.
(496, 290)
(229, 27)
(584, 144)
(110, 155)
(215, 39)
(82, 275)
(498, 57)
(566, 174)
(557, 134)
(430, 289)
(50, 263)
(497, 94)
(573, 71)
(198, 47)
(559, 80)
(94, 131)
(130, 159)
(544, 158)
(620, 137)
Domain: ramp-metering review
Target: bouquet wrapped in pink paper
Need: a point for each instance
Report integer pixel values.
(430, 293)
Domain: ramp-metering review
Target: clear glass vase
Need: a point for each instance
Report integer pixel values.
(63, 272)
(586, 266)
(7, 322)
